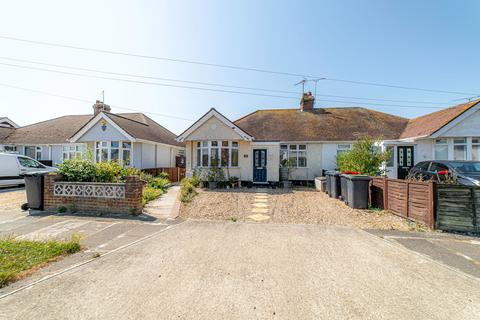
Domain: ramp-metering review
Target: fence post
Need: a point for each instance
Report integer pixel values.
(431, 204)
(474, 209)
(385, 194)
(407, 195)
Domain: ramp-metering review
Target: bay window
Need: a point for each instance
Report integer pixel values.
(118, 151)
(459, 149)
(441, 149)
(217, 153)
(294, 155)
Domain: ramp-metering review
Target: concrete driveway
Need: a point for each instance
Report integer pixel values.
(226, 270)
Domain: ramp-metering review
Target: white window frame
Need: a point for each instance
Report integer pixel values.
(343, 147)
(464, 144)
(78, 151)
(476, 144)
(109, 148)
(437, 143)
(38, 151)
(297, 151)
(205, 147)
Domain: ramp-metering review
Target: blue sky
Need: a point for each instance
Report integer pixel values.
(426, 44)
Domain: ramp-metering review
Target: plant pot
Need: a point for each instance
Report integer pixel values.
(284, 173)
(212, 185)
(286, 184)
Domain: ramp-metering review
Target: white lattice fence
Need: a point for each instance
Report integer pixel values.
(111, 191)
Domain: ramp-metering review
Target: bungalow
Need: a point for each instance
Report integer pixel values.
(133, 139)
(254, 147)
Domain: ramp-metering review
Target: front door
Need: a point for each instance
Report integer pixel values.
(405, 161)
(259, 165)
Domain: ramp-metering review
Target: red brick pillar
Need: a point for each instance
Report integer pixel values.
(48, 185)
(133, 193)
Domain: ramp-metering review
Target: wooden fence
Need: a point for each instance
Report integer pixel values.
(175, 174)
(458, 208)
(408, 199)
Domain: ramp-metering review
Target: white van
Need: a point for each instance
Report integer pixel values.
(13, 166)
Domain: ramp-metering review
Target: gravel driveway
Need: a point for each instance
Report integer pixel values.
(304, 205)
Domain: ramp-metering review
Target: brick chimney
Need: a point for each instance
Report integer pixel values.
(99, 106)
(306, 104)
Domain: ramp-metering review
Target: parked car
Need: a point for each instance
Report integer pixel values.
(13, 166)
(463, 172)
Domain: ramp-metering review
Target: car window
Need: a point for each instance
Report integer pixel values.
(422, 166)
(467, 167)
(438, 167)
(29, 163)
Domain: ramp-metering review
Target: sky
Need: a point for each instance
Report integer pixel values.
(429, 44)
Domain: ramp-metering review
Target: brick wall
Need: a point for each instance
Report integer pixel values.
(130, 202)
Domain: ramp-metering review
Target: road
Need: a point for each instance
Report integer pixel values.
(227, 270)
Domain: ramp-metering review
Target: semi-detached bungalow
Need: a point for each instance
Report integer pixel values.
(254, 147)
(133, 139)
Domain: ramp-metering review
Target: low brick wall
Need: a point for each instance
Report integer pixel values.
(120, 198)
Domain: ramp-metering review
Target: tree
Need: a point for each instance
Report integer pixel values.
(365, 158)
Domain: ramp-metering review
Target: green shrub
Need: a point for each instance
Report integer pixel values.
(187, 190)
(159, 183)
(108, 172)
(365, 158)
(77, 170)
(150, 193)
(163, 175)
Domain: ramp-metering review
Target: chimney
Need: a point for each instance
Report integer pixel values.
(306, 104)
(99, 106)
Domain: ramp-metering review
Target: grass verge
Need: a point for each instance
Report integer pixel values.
(18, 258)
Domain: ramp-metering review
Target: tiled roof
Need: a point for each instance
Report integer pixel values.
(330, 124)
(5, 132)
(432, 122)
(59, 130)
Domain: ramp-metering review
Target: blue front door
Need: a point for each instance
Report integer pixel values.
(259, 165)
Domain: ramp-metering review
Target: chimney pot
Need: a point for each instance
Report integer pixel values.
(307, 102)
(99, 106)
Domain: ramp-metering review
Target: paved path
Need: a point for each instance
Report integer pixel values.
(165, 207)
(226, 270)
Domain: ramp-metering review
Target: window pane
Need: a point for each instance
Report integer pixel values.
(126, 157)
(115, 144)
(476, 152)
(214, 143)
(79, 148)
(475, 140)
(293, 147)
(65, 156)
(199, 157)
(65, 148)
(71, 155)
(234, 144)
(293, 158)
(459, 152)
(198, 144)
(224, 143)
(225, 156)
(214, 158)
(302, 147)
(441, 141)
(126, 145)
(441, 152)
(302, 159)
(204, 143)
(283, 157)
(390, 149)
(204, 157)
(283, 146)
(114, 155)
(104, 144)
(103, 155)
(234, 157)
(459, 140)
(72, 148)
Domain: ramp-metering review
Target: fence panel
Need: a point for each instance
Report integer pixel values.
(175, 174)
(458, 208)
(411, 200)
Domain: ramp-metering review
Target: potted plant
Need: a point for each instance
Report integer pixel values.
(211, 179)
(285, 168)
(234, 181)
